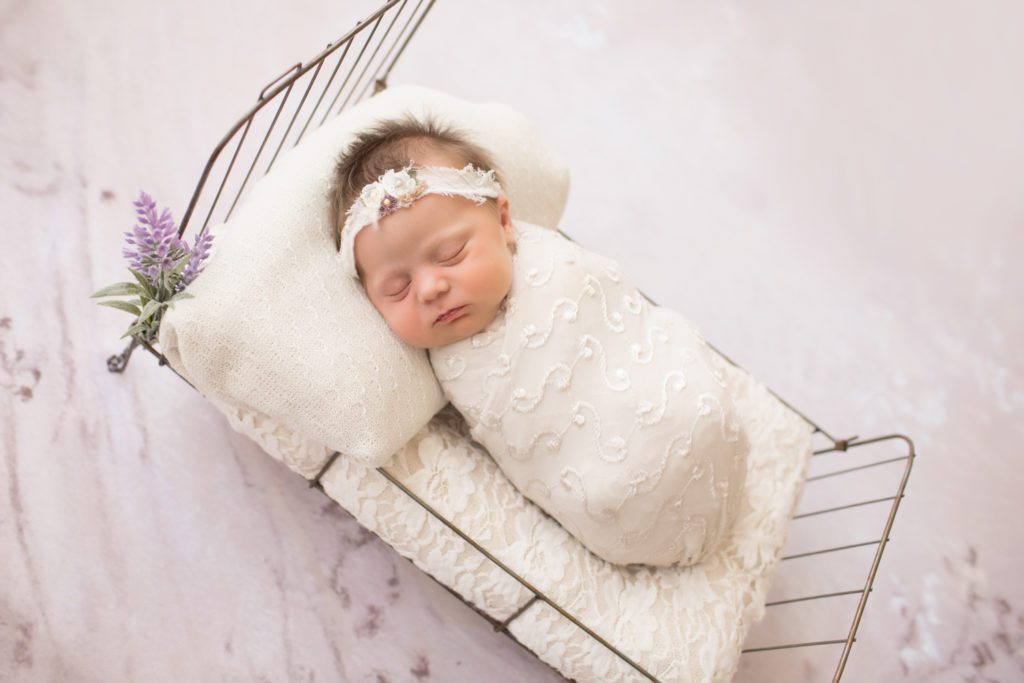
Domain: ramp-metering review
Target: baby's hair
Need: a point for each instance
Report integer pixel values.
(391, 145)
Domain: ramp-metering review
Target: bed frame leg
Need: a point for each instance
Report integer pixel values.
(119, 361)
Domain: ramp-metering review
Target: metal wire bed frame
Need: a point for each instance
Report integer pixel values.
(358, 65)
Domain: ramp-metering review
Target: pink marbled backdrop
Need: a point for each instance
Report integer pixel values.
(833, 192)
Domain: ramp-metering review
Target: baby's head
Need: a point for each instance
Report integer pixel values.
(421, 220)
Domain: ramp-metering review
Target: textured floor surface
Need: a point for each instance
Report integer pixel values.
(832, 192)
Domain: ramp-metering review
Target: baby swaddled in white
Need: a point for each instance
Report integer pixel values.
(304, 361)
(604, 410)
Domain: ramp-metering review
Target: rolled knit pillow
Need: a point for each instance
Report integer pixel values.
(276, 330)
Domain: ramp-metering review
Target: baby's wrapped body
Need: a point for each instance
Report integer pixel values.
(604, 410)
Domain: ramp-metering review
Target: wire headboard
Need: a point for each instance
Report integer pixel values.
(289, 107)
(299, 101)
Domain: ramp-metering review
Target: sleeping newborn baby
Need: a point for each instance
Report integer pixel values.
(607, 412)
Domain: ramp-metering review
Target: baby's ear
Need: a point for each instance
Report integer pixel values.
(505, 216)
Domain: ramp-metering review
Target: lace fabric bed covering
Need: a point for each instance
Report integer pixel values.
(681, 624)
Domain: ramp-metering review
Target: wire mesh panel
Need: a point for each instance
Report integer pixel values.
(835, 543)
(289, 108)
(297, 103)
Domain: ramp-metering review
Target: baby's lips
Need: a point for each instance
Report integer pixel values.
(449, 314)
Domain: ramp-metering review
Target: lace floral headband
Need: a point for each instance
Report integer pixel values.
(399, 189)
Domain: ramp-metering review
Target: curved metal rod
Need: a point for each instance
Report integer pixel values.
(267, 95)
(881, 548)
(119, 361)
(263, 93)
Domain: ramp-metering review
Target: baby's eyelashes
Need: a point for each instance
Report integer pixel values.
(450, 253)
(395, 288)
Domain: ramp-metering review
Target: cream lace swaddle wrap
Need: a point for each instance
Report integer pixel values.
(605, 411)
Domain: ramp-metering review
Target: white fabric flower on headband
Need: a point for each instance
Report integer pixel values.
(399, 189)
(394, 190)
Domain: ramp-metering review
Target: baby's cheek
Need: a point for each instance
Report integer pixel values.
(405, 323)
(389, 315)
(396, 320)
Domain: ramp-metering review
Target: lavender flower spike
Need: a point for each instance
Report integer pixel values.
(164, 265)
(200, 251)
(154, 244)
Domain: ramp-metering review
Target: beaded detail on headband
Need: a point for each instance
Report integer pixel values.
(399, 189)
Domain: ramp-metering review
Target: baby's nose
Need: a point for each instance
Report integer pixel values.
(434, 285)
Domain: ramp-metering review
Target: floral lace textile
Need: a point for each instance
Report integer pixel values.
(681, 624)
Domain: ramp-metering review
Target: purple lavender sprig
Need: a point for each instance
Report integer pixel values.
(162, 264)
(200, 252)
(154, 245)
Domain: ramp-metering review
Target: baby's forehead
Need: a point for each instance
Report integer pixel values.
(429, 153)
(438, 178)
(425, 224)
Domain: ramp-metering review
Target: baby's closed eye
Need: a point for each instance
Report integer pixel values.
(450, 252)
(395, 287)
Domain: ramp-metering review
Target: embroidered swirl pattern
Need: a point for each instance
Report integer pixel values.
(607, 412)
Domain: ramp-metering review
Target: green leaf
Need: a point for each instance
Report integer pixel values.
(121, 306)
(146, 286)
(137, 328)
(181, 295)
(168, 283)
(149, 309)
(119, 289)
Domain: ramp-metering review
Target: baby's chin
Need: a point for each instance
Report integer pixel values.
(450, 336)
(431, 341)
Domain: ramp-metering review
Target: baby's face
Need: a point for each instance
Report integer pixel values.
(439, 269)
